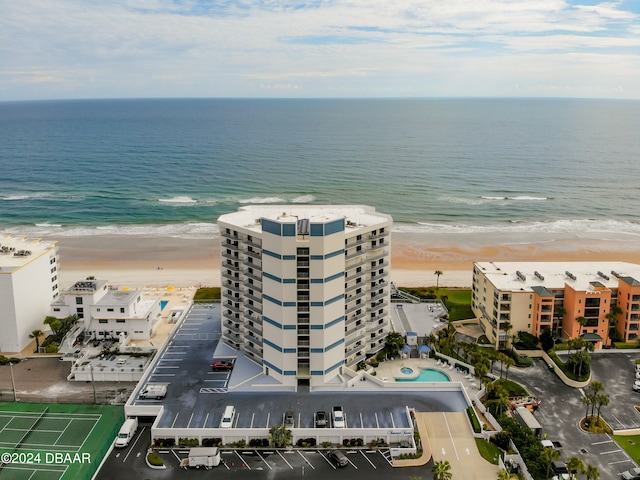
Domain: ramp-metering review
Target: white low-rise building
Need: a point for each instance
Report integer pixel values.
(28, 285)
(107, 311)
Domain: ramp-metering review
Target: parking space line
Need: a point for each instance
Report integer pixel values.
(266, 463)
(377, 423)
(204, 425)
(305, 459)
(175, 419)
(620, 461)
(352, 464)
(268, 417)
(393, 424)
(600, 443)
(253, 415)
(365, 456)
(327, 460)
(361, 422)
(163, 374)
(388, 459)
(190, 418)
(610, 451)
(244, 463)
(285, 460)
(167, 366)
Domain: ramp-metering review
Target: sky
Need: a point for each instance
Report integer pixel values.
(63, 49)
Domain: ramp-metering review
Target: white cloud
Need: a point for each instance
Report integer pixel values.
(356, 47)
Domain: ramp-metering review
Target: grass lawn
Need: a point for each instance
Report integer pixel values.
(206, 294)
(630, 444)
(458, 299)
(488, 450)
(514, 389)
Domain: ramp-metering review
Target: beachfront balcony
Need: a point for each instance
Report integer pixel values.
(357, 253)
(351, 265)
(250, 253)
(255, 329)
(255, 309)
(375, 325)
(382, 234)
(353, 349)
(350, 243)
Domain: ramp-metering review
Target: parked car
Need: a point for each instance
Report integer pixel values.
(636, 386)
(289, 420)
(321, 419)
(561, 476)
(559, 467)
(633, 474)
(221, 365)
(338, 417)
(338, 458)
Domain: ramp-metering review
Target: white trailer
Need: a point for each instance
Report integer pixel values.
(151, 390)
(202, 457)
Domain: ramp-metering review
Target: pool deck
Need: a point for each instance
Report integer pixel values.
(390, 370)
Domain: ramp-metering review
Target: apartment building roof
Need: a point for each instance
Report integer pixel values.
(356, 216)
(16, 252)
(542, 277)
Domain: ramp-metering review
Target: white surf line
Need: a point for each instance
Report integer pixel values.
(267, 464)
(285, 460)
(365, 456)
(305, 459)
(451, 436)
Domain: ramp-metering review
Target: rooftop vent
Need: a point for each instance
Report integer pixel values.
(538, 275)
(570, 275)
(602, 275)
(22, 253)
(615, 274)
(350, 223)
(521, 276)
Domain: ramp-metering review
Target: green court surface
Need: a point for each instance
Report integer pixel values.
(54, 442)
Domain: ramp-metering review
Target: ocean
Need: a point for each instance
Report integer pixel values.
(171, 167)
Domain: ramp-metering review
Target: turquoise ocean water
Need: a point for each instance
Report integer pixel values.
(171, 167)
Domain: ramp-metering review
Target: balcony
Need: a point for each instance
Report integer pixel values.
(376, 325)
(230, 327)
(230, 316)
(232, 244)
(353, 349)
(376, 296)
(255, 329)
(253, 242)
(351, 265)
(252, 263)
(257, 276)
(354, 308)
(355, 254)
(355, 243)
(233, 308)
(303, 343)
(255, 350)
(234, 256)
(349, 322)
(355, 275)
(253, 308)
(253, 254)
(255, 298)
(303, 330)
(356, 336)
(231, 285)
(303, 354)
(379, 235)
(233, 276)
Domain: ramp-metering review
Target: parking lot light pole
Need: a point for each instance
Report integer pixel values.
(13, 383)
(93, 384)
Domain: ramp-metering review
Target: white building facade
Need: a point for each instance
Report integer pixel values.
(305, 289)
(28, 285)
(108, 312)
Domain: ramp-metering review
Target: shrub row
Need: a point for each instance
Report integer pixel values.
(474, 419)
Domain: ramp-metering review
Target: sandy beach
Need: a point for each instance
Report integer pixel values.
(140, 260)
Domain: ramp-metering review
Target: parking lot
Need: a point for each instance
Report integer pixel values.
(129, 463)
(197, 395)
(561, 410)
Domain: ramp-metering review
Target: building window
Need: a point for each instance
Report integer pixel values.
(103, 321)
(56, 309)
(109, 309)
(120, 320)
(78, 300)
(121, 309)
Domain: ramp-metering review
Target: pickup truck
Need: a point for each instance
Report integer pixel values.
(338, 417)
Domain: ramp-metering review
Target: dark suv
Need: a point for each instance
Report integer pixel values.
(321, 419)
(338, 458)
(219, 365)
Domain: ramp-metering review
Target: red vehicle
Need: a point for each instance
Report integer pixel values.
(221, 365)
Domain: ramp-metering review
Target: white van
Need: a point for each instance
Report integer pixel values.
(126, 433)
(227, 417)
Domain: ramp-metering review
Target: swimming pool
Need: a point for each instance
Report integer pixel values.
(427, 375)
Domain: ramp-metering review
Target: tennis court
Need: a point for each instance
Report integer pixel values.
(53, 442)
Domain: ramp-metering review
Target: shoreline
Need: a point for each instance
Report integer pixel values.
(157, 261)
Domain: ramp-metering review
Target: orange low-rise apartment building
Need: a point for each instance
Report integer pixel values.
(595, 300)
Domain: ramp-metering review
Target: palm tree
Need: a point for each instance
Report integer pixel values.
(37, 333)
(592, 472)
(575, 465)
(505, 474)
(583, 322)
(279, 436)
(549, 455)
(508, 363)
(595, 387)
(441, 470)
(437, 273)
(588, 401)
(601, 401)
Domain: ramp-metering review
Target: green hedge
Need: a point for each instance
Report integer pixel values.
(154, 459)
(474, 419)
